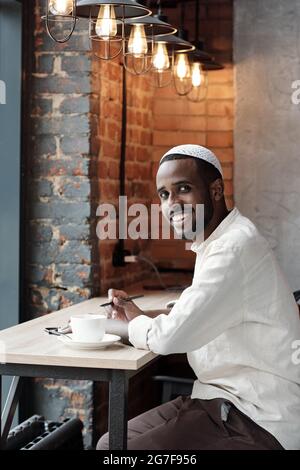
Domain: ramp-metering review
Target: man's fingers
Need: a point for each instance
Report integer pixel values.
(116, 293)
(124, 304)
(111, 293)
(115, 314)
(108, 312)
(118, 301)
(118, 315)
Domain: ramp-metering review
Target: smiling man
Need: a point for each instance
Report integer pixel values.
(181, 196)
(236, 322)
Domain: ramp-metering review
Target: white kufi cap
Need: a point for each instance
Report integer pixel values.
(195, 151)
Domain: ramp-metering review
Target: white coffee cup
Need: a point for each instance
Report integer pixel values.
(88, 328)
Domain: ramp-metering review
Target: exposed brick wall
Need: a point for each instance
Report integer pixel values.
(61, 261)
(108, 125)
(210, 123)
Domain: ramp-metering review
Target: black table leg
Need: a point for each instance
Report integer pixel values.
(1, 444)
(117, 418)
(10, 407)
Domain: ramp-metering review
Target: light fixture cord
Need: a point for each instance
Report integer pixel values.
(158, 275)
(159, 7)
(182, 15)
(148, 261)
(197, 10)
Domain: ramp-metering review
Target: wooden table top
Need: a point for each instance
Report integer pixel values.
(28, 344)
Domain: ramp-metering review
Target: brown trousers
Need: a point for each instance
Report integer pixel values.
(194, 424)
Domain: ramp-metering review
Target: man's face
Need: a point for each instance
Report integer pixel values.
(178, 183)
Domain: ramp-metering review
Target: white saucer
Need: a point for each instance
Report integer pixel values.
(107, 340)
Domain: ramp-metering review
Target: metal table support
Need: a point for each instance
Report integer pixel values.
(118, 394)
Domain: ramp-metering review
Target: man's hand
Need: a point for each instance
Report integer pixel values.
(121, 309)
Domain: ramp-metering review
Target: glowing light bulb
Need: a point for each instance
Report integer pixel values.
(182, 66)
(106, 25)
(61, 7)
(196, 75)
(161, 59)
(137, 44)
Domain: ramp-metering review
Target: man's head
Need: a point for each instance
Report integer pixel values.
(190, 174)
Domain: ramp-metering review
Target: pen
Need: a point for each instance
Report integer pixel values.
(55, 331)
(126, 300)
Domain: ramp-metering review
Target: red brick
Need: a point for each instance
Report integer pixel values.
(223, 92)
(167, 92)
(219, 43)
(225, 155)
(132, 171)
(109, 191)
(220, 108)
(229, 202)
(142, 154)
(114, 72)
(155, 166)
(113, 170)
(180, 123)
(146, 137)
(158, 152)
(146, 120)
(130, 152)
(113, 131)
(221, 76)
(106, 109)
(131, 112)
(167, 138)
(139, 119)
(103, 171)
(133, 135)
(227, 171)
(219, 123)
(109, 149)
(216, 28)
(220, 10)
(145, 171)
(228, 188)
(220, 139)
(146, 102)
(181, 107)
(106, 248)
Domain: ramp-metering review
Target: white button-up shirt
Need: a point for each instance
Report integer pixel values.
(238, 323)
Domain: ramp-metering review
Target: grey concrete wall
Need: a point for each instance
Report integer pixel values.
(267, 125)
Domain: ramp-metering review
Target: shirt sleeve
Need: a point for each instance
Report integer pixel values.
(206, 309)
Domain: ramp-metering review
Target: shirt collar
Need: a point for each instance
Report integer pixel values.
(221, 228)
